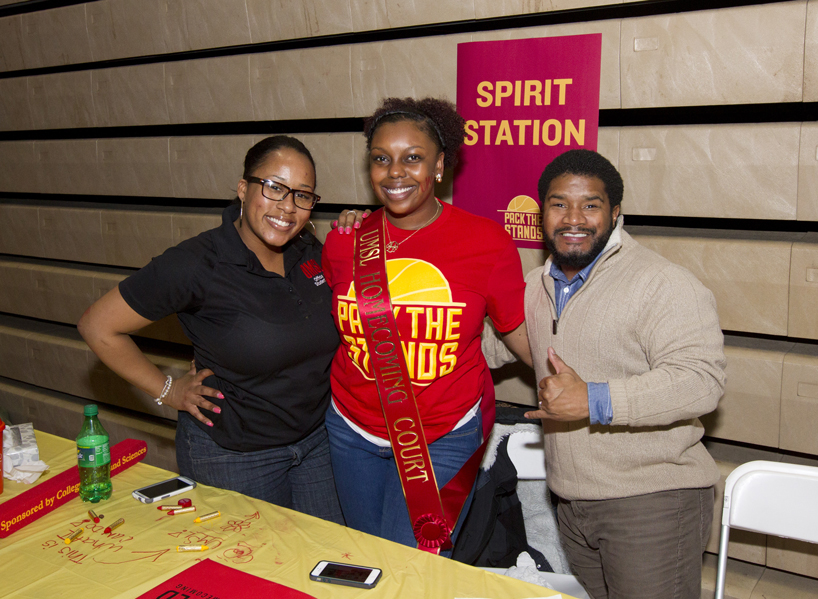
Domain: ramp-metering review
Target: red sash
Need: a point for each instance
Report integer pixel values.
(433, 513)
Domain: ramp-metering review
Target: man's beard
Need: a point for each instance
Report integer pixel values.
(577, 260)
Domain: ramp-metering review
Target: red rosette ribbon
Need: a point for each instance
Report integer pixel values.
(431, 530)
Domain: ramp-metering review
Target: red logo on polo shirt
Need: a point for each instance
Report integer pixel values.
(313, 271)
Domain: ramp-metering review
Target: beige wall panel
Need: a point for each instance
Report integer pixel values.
(59, 360)
(123, 28)
(335, 160)
(209, 90)
(54, 37)
(532, 259)
(368, 15)
(803, 306)
(14, 362)
(744, 545)
(272, 20)
(808, 171)
(360, 166)
(44, 291)
(130, 96)
(747, 273)
(216, 23)
(428, 67)
(783, 585)
(799, 400)
(302, 84)
(20, 233)
(67, 166)
(609, 86)
(714, 171)
(186, 225)
(11, 43)
(62, 415)
(207, 167)
(15, 113)
(133, 237)
(739, 582)
(19, 293)
(608, 144)
(72, 234)
(61, 101)
(750, 408)
(728, 56)
(811, 54)
(18, 165)
(134, 167)
(485, 9)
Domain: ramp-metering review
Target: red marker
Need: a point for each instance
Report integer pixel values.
(93, 515)
(116, 524)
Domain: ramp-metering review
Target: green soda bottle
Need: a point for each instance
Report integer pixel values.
(94, 458)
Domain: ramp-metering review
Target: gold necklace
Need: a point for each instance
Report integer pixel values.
(392, 246)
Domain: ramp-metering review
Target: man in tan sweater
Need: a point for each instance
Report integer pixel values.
(629, 353)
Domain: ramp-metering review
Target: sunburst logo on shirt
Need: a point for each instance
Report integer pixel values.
(423, 307)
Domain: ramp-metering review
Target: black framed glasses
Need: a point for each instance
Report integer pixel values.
(273, 190)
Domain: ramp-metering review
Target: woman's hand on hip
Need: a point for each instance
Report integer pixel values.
(189, 394)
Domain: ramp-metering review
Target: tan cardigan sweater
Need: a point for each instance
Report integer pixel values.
(649, 329)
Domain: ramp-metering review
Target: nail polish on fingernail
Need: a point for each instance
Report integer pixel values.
(209, 424)
(349, 230)
(335, 223)
(366, 215)
(220, 396)
(217, 410)
(357, 225)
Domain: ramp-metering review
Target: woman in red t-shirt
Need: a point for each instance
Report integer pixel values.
(447, 270)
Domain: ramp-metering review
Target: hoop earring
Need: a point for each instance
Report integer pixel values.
(241, 214)
(314, 230)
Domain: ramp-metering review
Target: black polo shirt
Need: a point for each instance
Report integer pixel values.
(268, 339)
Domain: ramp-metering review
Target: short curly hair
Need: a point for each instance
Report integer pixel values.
(437, 118)
(584, 163)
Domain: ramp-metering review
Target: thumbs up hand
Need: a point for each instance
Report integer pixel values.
(564, 395)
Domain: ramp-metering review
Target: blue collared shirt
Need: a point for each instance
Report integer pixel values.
(599, 395)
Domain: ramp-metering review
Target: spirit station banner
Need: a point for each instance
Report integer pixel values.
(525, 102)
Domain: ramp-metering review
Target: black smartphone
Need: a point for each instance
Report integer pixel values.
(347, 574)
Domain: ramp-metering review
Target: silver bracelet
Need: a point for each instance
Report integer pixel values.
(165, 391)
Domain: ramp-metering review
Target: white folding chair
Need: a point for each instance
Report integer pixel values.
(771, 498)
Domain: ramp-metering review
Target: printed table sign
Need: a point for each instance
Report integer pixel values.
(525, 102)
(212, 579)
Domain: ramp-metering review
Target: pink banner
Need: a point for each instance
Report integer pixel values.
(525, 102)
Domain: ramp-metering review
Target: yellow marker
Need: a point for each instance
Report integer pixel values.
(182, 510)
(209, 516)
(181, 548)
(74, 536)
(167, 508)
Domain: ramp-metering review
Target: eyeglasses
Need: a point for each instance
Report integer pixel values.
(273, 190)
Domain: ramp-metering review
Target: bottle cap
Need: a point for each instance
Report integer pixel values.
(185, 502)
(91, 410)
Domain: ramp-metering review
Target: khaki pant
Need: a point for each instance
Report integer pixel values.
(643, 547)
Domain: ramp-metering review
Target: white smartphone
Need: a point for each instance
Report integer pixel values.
(165, 489)
(353, 576)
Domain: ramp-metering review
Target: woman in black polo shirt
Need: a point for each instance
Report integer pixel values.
(252, 299)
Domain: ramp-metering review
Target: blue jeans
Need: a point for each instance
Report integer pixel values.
(368, 483)
(296, 476)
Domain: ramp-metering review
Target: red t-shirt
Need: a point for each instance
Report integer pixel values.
(443, 281)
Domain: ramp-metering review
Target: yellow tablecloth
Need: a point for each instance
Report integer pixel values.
(251, 535)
